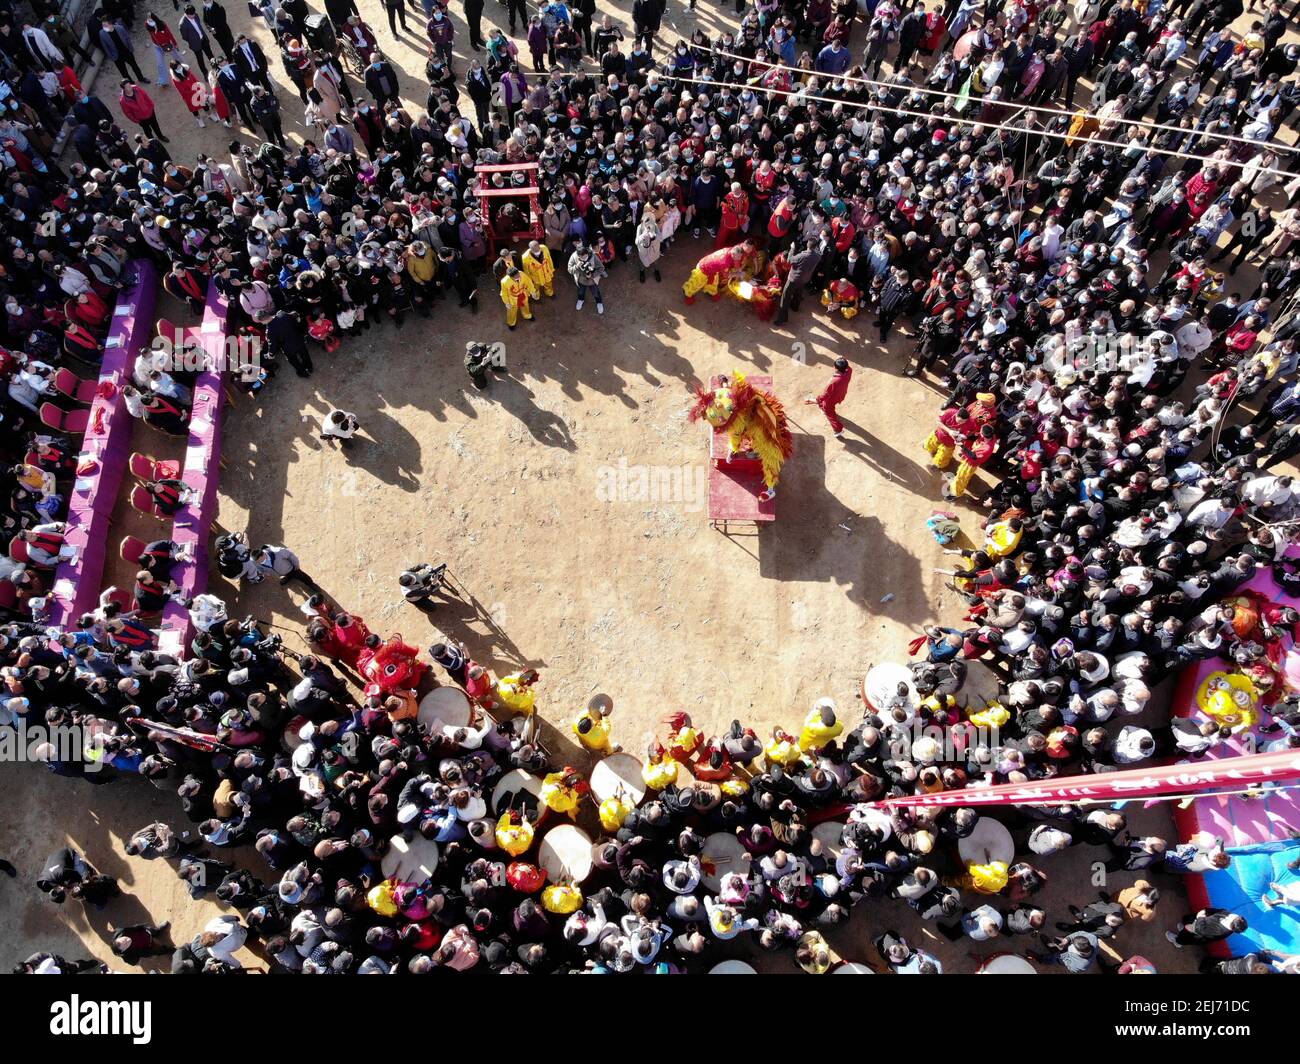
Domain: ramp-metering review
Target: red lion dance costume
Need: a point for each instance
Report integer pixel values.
(753, 420)
(392, 666)
(713, 272)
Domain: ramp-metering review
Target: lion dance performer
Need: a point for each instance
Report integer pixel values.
(712, 272)
(960, 427)
(753, 420)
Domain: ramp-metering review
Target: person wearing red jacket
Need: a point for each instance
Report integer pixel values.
(192, 91)
(164, 46)
(781, 226)
(186, 284)
(833, 394)
(843, 232)
(735, 215)
(974, 451)
(138, 107)
(936, 29)
(350, 634)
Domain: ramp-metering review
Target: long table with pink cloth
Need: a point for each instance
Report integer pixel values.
(105, 451)
(200, 473)
(1259, 829)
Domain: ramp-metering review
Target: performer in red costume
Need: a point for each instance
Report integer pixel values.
(834, 394)
(712, 272)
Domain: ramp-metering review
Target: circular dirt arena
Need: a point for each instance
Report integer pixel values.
(569, 502)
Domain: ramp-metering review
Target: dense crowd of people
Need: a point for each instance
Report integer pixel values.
(1016, 246)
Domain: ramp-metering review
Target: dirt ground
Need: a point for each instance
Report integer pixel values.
(634, 595)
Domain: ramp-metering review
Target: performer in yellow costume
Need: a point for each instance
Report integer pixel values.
(820, 726)
(517, 289)
(753, 420)
(562, 898)
(514, 834)
(660, 770)
(1001, 538)
(515, 692)
(593, 731)
(539, 267)
(613, 811)
(988, 878)
(781, 749)
(994, 715)
(562, 791)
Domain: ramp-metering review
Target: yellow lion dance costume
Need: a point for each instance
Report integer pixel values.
(753, 420)
(1230, 699)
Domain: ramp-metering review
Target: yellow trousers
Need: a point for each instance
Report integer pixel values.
(512, 313)
(964, 472)
(941, 452)
(699, 282)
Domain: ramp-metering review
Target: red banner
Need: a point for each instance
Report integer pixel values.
(1230, 773)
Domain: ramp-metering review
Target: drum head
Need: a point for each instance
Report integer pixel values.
(732, 968)
(517, 789)
(447, 705)
(1006, 964)
(880, 687)
(988, 841)
(411, 861)
(565, 854)
(852, 968)
(618, 775)
(829, 833)
(877, 818)
(722, 854)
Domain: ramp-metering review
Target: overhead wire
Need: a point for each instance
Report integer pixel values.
(1141, 123)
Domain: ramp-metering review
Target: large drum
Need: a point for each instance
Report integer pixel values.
(618, 776)
(444, 707)
(988, 841)
(877, 818)
(1006, 964)
(565, 854)
(852, 968)
(829, 833)
(732, 968)
(411, 861)
(880, 687)
(722, 854)
(518, 789)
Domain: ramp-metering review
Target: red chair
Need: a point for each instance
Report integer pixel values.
(168, 331)
(21, 552)
(68, 383)
(74, 422)
(143, 467)
(122, 598)
(132, 550)
(142, 502)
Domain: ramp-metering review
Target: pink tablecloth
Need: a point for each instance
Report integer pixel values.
(200, 472)
(108, 442)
